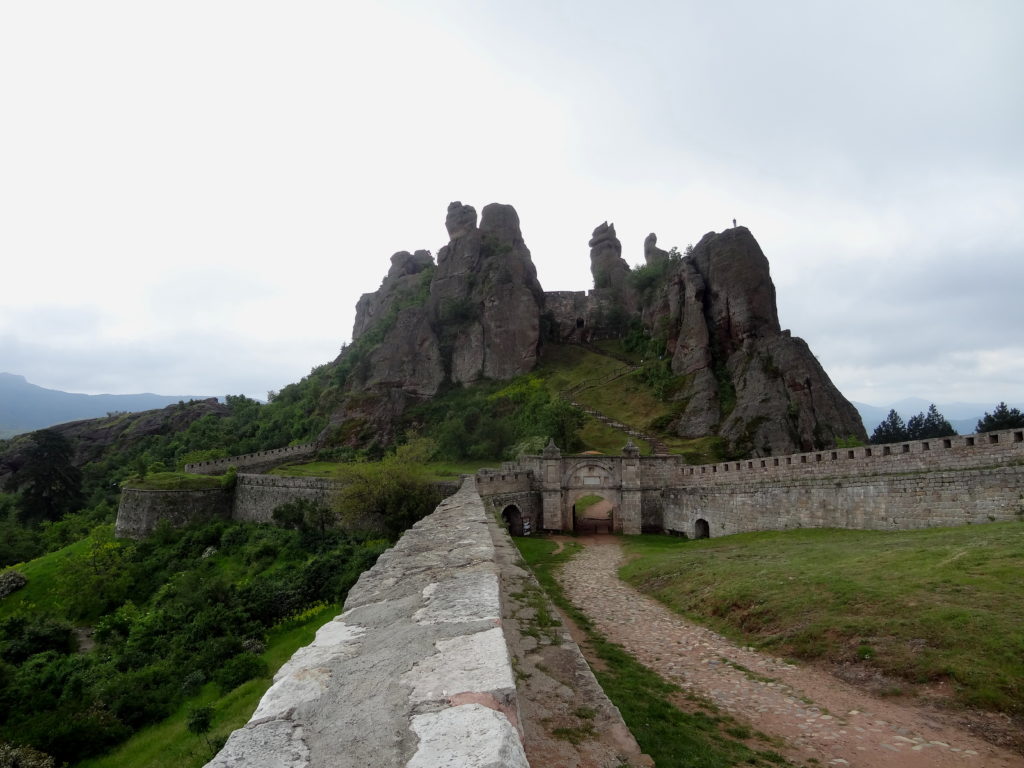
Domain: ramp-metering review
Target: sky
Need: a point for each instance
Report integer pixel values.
(193, 195)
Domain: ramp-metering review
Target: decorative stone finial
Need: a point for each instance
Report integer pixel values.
(630, 449)
(551, 450)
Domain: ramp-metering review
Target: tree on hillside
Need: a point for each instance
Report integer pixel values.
(928, 425)
(891, 430)
(50, 485)
(1003, 417)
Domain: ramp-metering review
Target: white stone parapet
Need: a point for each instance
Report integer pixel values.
(415, 671)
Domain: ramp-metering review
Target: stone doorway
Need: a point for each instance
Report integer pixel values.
(512, 517)
(593, 513)
(701, 529)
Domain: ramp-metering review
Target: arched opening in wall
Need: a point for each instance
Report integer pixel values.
(512, 517)
(593, 514)
(701, 529)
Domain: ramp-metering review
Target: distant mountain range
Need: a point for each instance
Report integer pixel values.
(963, 416)
(25, 407)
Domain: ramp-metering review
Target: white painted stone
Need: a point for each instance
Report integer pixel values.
(335, 640)
(478, 663)
(470, 736)
(307, 674)
(470, 596)
(277, 744)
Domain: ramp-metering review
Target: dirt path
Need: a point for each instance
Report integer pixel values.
(817, 715)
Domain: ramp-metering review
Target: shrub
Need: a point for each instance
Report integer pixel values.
(237, 670)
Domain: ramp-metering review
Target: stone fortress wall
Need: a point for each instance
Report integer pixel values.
(916, 484)
(415, 672)
(261, 460)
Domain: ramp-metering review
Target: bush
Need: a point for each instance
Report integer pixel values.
(237, 670)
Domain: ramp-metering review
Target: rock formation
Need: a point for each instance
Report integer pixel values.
(477, 314)
(744, 378)
(474, 315)
(611, 272)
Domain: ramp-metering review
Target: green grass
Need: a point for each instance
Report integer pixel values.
(672, 736)
(175, 481)
(169, 744)
(40, 593)
(586, 502)
(941, 604)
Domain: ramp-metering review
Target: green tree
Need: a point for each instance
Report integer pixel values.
(1003, 417)
(50, 485)
(891, 430)
(199, 722)
(929, 425)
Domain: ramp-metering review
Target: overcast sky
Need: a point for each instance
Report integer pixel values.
(194, 194)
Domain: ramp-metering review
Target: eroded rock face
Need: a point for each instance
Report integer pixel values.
(746, 378)
(474, 315)
(610, 270)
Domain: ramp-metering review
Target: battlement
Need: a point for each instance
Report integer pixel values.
(264, 459)
(943, 453)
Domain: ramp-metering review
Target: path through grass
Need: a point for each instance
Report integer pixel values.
(940, 604)
(692, 737)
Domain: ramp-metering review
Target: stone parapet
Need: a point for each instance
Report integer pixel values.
(414, 672)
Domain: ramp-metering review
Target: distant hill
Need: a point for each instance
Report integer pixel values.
(963, 416)
(25, 407)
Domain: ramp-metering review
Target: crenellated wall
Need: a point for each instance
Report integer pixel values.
(921, 483)
(261, 460)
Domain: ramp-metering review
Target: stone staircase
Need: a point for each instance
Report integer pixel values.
(569, 395)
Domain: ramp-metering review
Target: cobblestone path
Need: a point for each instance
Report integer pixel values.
(816, 714)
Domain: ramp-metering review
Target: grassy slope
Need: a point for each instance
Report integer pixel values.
(941, 604)
(168, 744)
(41, 593)
(695, 736)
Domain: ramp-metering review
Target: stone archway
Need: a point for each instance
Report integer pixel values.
(593, 513)
(591, 476)
(512, 517)
(701, 529)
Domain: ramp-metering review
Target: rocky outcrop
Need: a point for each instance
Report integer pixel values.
(612, 284)
(653, 255)
(478, 312)
(474, 315)
(744, 378)
(485, 301)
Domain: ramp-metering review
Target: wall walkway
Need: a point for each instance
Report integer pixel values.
(415, 672)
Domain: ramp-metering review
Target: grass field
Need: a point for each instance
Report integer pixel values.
(943, 604)
(693, 736)
(169, 744)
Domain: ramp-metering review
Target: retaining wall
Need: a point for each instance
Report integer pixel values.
(139, 510)
(414, 672)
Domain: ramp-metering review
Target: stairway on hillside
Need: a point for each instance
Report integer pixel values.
(569, 395)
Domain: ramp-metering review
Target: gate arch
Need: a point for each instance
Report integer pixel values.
(701, 529)
(591, 476)
(512, 516)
